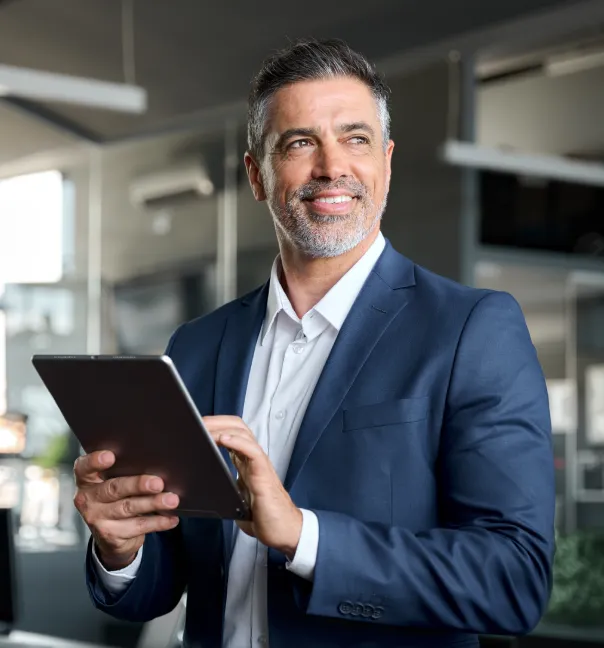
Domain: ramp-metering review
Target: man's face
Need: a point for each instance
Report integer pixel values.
(326, 170)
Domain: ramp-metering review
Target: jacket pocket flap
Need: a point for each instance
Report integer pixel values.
(405, 410)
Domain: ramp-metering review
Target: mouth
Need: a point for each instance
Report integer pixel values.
(335, 204)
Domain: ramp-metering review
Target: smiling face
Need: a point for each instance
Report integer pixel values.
(326, 169)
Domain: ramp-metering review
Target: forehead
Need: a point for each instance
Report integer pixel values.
(318, 104)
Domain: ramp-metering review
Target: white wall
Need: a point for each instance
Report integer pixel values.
(557, 115)
(129, 244)
(23, 137)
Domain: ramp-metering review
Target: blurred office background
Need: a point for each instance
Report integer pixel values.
(124, 211)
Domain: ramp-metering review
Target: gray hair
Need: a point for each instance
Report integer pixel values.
(309, 60)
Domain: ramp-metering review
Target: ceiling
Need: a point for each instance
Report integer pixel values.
(195, 55)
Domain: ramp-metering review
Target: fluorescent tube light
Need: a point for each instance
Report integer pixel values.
(559, 66)
(49, 86)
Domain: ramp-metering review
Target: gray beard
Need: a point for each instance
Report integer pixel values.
(309, 233)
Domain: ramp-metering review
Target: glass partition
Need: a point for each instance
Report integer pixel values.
(564, 310)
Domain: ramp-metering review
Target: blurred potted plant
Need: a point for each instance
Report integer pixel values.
(578, 592)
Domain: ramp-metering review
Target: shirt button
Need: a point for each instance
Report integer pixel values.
(280, 415)
(298, 349)
(262, 640)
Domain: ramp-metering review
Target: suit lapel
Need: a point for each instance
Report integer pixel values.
(383, 296)
(233, 369)
(237, 352)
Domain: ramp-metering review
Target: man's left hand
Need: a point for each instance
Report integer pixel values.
(277, 522)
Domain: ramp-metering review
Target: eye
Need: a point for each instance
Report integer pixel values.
(359, 139)
(300, 143)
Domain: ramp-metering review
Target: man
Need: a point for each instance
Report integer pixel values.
(394, 433)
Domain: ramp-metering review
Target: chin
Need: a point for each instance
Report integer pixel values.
(325, 220)
(328, 246)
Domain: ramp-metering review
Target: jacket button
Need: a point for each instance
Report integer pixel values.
(345, 608)
(377, 613)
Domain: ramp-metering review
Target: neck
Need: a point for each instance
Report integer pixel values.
(306, 280)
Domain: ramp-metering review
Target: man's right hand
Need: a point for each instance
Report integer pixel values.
(120, 511)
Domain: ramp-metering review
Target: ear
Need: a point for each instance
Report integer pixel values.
(389, 150)
(254, 176)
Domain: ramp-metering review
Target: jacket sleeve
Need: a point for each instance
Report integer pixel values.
(487, 569)
(159, 584)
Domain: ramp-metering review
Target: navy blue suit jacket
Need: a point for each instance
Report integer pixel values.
(426, 454)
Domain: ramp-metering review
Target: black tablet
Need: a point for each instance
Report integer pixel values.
(139, 408)
(8, 577)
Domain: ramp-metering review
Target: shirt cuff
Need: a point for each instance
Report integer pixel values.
(116, 582)
(305, 559)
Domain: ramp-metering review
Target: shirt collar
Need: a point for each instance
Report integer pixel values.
(334, 306)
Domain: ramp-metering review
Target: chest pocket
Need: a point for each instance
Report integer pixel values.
(385, 414)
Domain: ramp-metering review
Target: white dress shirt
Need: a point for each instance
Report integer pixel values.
(289, 357)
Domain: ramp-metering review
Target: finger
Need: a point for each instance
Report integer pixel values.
(238, 432)
(242, 445)
(87, 468)
(223, 423)
(133, 506)
(112, 530)
(120, 488)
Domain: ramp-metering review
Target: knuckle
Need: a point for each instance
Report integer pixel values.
(104, 532)
(80, 501)
(112, 488)
(126, 508)
(79, 466)
(142, 524)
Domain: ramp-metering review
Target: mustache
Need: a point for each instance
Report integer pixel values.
(315, 187)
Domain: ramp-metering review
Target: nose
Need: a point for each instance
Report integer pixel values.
(330, 162)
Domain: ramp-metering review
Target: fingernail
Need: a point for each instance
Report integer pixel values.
(104, 458)
(170, 499)
(225, 437)
(154, 484)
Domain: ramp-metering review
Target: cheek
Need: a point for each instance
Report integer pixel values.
(372, 173)
(277, 182)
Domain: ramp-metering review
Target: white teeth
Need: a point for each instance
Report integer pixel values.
(334, 199)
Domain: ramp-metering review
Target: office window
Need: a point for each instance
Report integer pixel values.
(31, 228)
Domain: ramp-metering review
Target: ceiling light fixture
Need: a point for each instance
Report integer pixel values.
(561, 65)
(36, 85)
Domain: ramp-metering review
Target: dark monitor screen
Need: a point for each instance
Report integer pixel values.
(538, 214)
(7, 569)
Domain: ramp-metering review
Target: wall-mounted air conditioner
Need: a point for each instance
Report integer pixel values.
(174, 184)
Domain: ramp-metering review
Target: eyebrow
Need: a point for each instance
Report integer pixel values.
(313, 132)
(357, 126)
